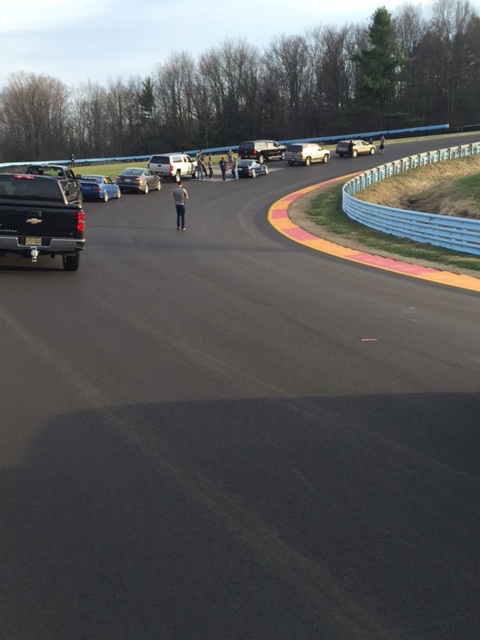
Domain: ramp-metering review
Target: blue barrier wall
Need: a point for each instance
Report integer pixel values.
(457, 234)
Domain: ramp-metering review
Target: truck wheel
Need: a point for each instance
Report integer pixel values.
(326, 158)
(71, 263)
(282, 157)
(178, 176)
(261, 158)
(308, 161)
(105, 196)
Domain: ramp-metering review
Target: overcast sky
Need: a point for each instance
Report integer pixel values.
(80, 40)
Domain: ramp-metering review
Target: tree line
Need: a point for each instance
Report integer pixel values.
(402, 70)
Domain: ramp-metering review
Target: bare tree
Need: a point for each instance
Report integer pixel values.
(175, 99)
(90, 121)
(230, 74)
(34, 111)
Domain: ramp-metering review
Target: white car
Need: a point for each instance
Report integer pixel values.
(302, 153)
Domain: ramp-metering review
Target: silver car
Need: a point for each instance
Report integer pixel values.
(302, 153)
(138, 179)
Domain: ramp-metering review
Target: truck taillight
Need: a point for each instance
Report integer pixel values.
(23, 177)
(171, 168)
(81, 221)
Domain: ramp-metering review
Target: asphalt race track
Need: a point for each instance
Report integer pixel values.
(220, 434)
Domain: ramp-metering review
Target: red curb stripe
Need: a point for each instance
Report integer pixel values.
(390, 263)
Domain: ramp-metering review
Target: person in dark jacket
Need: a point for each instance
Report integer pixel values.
(350, 148)
(223, 166)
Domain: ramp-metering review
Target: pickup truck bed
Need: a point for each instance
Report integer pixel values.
(35, 219)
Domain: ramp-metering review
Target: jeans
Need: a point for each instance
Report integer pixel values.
(200, 175)
(180, 216)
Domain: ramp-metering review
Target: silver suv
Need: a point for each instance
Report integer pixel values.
(306, 153)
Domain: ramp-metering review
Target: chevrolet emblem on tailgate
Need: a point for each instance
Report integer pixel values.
(34, 220)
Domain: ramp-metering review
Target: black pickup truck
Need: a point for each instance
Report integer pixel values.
(36, 219)
(66, 177)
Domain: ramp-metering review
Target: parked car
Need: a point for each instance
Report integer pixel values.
(360, 147)
(138, 179)
(306, 153)
(173, 165)
(99, 188)
(251, 169)
(261, 150)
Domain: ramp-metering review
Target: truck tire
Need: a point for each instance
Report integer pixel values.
(326, 158)
(308, 161)
(261, 158)
(71, 263)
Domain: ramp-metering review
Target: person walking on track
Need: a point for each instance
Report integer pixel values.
(180, 196)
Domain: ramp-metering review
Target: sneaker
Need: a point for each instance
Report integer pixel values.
(184, 229)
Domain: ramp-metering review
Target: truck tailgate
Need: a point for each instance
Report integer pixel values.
(39, 219)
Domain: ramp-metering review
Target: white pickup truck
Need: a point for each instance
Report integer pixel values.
(173, 165)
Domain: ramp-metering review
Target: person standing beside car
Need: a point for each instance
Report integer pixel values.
(200, 163)
(180, 196)
(382, 144)
(235, 167)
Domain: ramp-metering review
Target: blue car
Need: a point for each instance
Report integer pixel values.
(251, 169)
(99, 188)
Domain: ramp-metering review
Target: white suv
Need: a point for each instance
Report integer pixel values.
(173, 165)
(306, 153)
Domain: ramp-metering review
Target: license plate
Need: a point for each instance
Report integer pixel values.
(31, 240)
